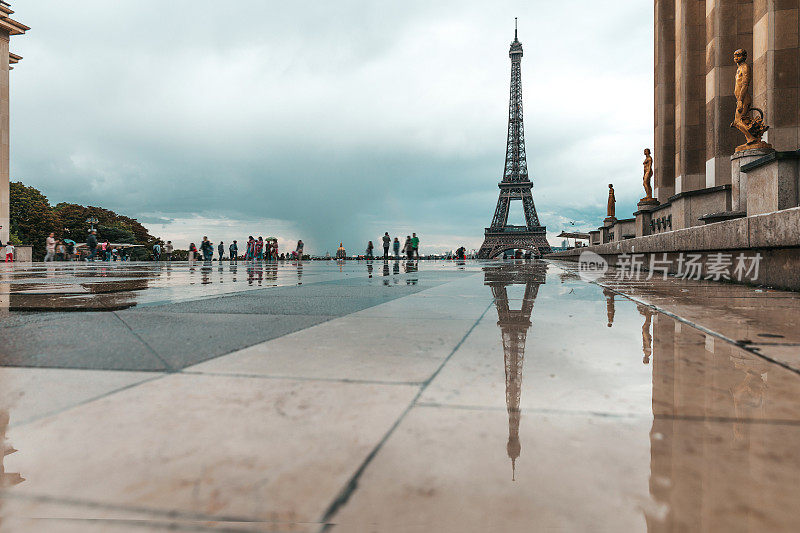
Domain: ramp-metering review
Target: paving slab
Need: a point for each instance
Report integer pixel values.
(352, 348)
(575, 473)
(225, 447)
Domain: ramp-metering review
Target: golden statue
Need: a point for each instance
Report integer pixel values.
(611, 201)
(648, 173)
(747, 119)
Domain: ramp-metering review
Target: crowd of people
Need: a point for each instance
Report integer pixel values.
(255, 250)
(259, 249)
(410, 248)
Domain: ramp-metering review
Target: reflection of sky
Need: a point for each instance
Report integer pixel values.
(329, 122)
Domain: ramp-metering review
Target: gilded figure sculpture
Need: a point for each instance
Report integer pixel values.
(747, 119)
(611, 201)
(648, 173)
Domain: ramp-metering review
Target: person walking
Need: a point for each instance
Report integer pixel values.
(9, 252)
(91, 243)
(192, 251)
(221, 250)
(50, 247)
(396, 248)
(61, 251)
(415, 244)
(299, 250)
(408, 249)
(107, 251)
(386, 242)
(369, 250)
(207, 248)
(156, 252)
(234, 251)
(251, 248)
(168, 248)
(260, 249)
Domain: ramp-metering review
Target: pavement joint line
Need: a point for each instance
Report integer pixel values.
(744, 346)
(167, 365)
(86, 401)
(173, 514)
(352, 485)
(299, 378)
(162, 524)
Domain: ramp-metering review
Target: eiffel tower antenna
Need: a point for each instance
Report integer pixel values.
(515, 184)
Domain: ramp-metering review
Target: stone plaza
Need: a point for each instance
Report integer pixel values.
(394, 396)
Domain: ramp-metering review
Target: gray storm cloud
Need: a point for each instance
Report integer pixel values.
(328, 121)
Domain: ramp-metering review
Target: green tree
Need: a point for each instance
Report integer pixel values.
(32, 218)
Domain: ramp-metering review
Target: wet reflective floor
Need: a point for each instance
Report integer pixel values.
(397, 396)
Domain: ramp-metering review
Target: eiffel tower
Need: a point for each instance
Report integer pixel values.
(516, 185)
(514, 325)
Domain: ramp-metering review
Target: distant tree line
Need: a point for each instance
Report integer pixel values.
(33, 219)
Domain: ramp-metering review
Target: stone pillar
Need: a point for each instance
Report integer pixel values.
(643, 217)
(664, 119)
(729, 26)
(690, 84)
(5, 204)
(776, 70)
(739, 178)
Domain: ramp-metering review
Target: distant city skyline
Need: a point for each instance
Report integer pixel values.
(329, 123)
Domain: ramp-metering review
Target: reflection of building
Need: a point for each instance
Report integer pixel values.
(720, 456)
(7, 479)
(514, 325)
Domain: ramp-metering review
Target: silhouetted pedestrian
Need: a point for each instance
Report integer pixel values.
(386, 242)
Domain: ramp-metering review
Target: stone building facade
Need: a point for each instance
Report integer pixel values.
(694, 81)
(8, 27)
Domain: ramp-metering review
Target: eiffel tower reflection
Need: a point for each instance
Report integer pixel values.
(514, 325)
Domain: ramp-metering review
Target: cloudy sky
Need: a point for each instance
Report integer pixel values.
(329, 121)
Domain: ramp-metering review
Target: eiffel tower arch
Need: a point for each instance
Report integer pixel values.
(514, 325)
(516, 184)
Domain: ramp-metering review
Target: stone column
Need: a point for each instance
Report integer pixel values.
(5, 204)
(690, 84)
(729, 26)
(664, 120)
(776, 70)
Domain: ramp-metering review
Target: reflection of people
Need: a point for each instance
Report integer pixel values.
(611, 201)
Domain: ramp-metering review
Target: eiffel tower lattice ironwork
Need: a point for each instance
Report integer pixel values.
(514, 325)
(515, 185)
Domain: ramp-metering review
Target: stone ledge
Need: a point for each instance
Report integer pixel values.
(780, 229)
(774, 156)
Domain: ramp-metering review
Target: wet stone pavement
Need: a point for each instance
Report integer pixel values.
(398, 396)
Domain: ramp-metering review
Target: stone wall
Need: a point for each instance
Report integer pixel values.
(776, 236)
(694, 79)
